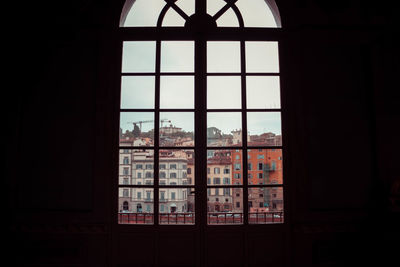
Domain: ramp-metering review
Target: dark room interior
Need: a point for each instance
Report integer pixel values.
(340, 114)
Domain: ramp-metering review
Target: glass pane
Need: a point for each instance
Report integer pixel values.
(265, 205)
(144, 13)
(177, 56)
(223, 92)
(135, 206)
(176, 167)
(228, 19)
(262, 57)
(137, 92)
(213, 6)
(137, 128)
(222, 168)
(264, 128)
(225, 205)
(176, 206)
(187, 6)
(172, 18)
(176, 129)
(177, 92)
(263, 92)
(223, 56)
(139, 56)
(264, 166)
(142, 167)
(224, 129)
(256, 13)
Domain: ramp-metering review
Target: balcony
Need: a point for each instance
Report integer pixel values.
(213, 218)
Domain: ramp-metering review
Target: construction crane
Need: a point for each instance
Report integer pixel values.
(140, 123)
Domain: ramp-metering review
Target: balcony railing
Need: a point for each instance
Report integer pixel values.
(213, 218)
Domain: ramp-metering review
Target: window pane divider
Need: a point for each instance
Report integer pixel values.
(240, 74)
(161, 74)
(245, 110)
(242, 147)
(156, 133)
(244, 133)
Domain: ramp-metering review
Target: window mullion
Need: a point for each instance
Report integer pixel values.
(244, 132)
(200, 130)
(157, 133)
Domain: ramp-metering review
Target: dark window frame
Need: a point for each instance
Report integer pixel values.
(240, 34)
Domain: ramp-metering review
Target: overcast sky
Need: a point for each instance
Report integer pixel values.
(178, 56)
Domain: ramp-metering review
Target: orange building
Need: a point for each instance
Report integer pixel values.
(264, 167)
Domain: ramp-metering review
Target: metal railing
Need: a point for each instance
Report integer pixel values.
(212, 218)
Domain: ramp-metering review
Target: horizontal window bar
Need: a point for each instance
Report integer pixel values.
(242, 186)
(161, 74)
(218, 34)
(154, 186)
(154, 110)
(209, 147)
(240, 74)
(242, 147)
(240, 110)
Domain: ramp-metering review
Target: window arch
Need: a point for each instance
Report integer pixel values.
(200, 87)
(176, 12)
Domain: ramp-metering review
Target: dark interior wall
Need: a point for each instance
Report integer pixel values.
(339, 63)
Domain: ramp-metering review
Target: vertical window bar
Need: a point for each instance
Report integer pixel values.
(200, 130)
(156, 133)
(201, 6)
(200, 98)
(244, 131)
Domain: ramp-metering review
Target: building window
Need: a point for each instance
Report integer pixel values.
(149, 166)
(260, 166)
(200, 122)
(125, 193)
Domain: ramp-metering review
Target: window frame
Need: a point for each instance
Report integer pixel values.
(160, 34)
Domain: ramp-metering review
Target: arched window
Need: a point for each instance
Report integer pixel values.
(200, 85)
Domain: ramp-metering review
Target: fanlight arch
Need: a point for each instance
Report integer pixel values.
(226, 13)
